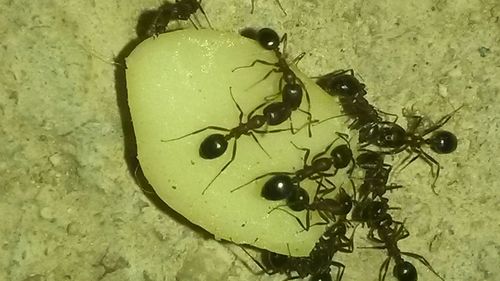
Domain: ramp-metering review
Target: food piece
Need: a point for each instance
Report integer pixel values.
(179, 83)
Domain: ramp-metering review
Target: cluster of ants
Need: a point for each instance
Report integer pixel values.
(368, 204)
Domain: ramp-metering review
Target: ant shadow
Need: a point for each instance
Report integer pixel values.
(129, 139)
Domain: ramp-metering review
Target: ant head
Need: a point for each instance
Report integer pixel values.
(324, 276)
(298, 200)
(278, 187)
(392, 136)
(341, 156)
(343, 85)
(405, 271)
(213, 146)
(443, 142)
(268, 39)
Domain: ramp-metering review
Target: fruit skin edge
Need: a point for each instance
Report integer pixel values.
(196, 81)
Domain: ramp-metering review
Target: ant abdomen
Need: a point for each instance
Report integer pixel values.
(213, 146)
(292, 95)
(278, 187)
(443, 142)
(276, 113)
(405, 271)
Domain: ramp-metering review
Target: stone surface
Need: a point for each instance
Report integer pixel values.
(67, 148)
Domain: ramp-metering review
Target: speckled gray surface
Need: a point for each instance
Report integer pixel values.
(71, 210)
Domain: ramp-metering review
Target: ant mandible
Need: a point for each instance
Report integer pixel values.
(216, 144)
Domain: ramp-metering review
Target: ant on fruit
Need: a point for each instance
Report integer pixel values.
(389, 232)
(283, 184)
(293, 89)
(394, 139)
(277, 2)
(327, 208)
(351, 92)
(318, 263)
(216, 144)
(180, 10)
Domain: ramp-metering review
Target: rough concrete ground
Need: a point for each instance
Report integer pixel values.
(71, 209)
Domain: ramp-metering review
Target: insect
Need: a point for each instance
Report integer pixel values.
(394, 139)
(318, 263)
(277, 2)
(180, 10)
(291, 87)
(389, 232)
(286, 182)
(214, 145)
(376, 175)
(327, 208)
(351, 94)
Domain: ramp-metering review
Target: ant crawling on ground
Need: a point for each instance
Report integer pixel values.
(285, 185)
(277, 2)
(389, 232)
(293, 89)
(216, 144)
(318, 263)
(180, 10)
(351, 94)
(394, 139)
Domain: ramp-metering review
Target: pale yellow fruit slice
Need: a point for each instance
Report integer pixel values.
(178, 83)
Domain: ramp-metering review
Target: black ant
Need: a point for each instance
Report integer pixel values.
(318, 263)
(351, 92)
(277, 2)
(283, 184)
(376, 175)
(389, 232)
(391, 136)
(293, 89)
(180, 10)
(216, 144)
(327, 208)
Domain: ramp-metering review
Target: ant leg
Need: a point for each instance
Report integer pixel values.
(297, 218)
(340, 270)
(204, 14)
(281, 7)
(328, 119)
(237, 105)
(253, 64)
(423, 261)
(198, 131)
(306, 154)
(253, 7)
(383, 269)
(308, 99)
(233, 155)
(193, 23)
(261, 147)
(297, 59)
(432, 162)
(441, 122)
(260, 177)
